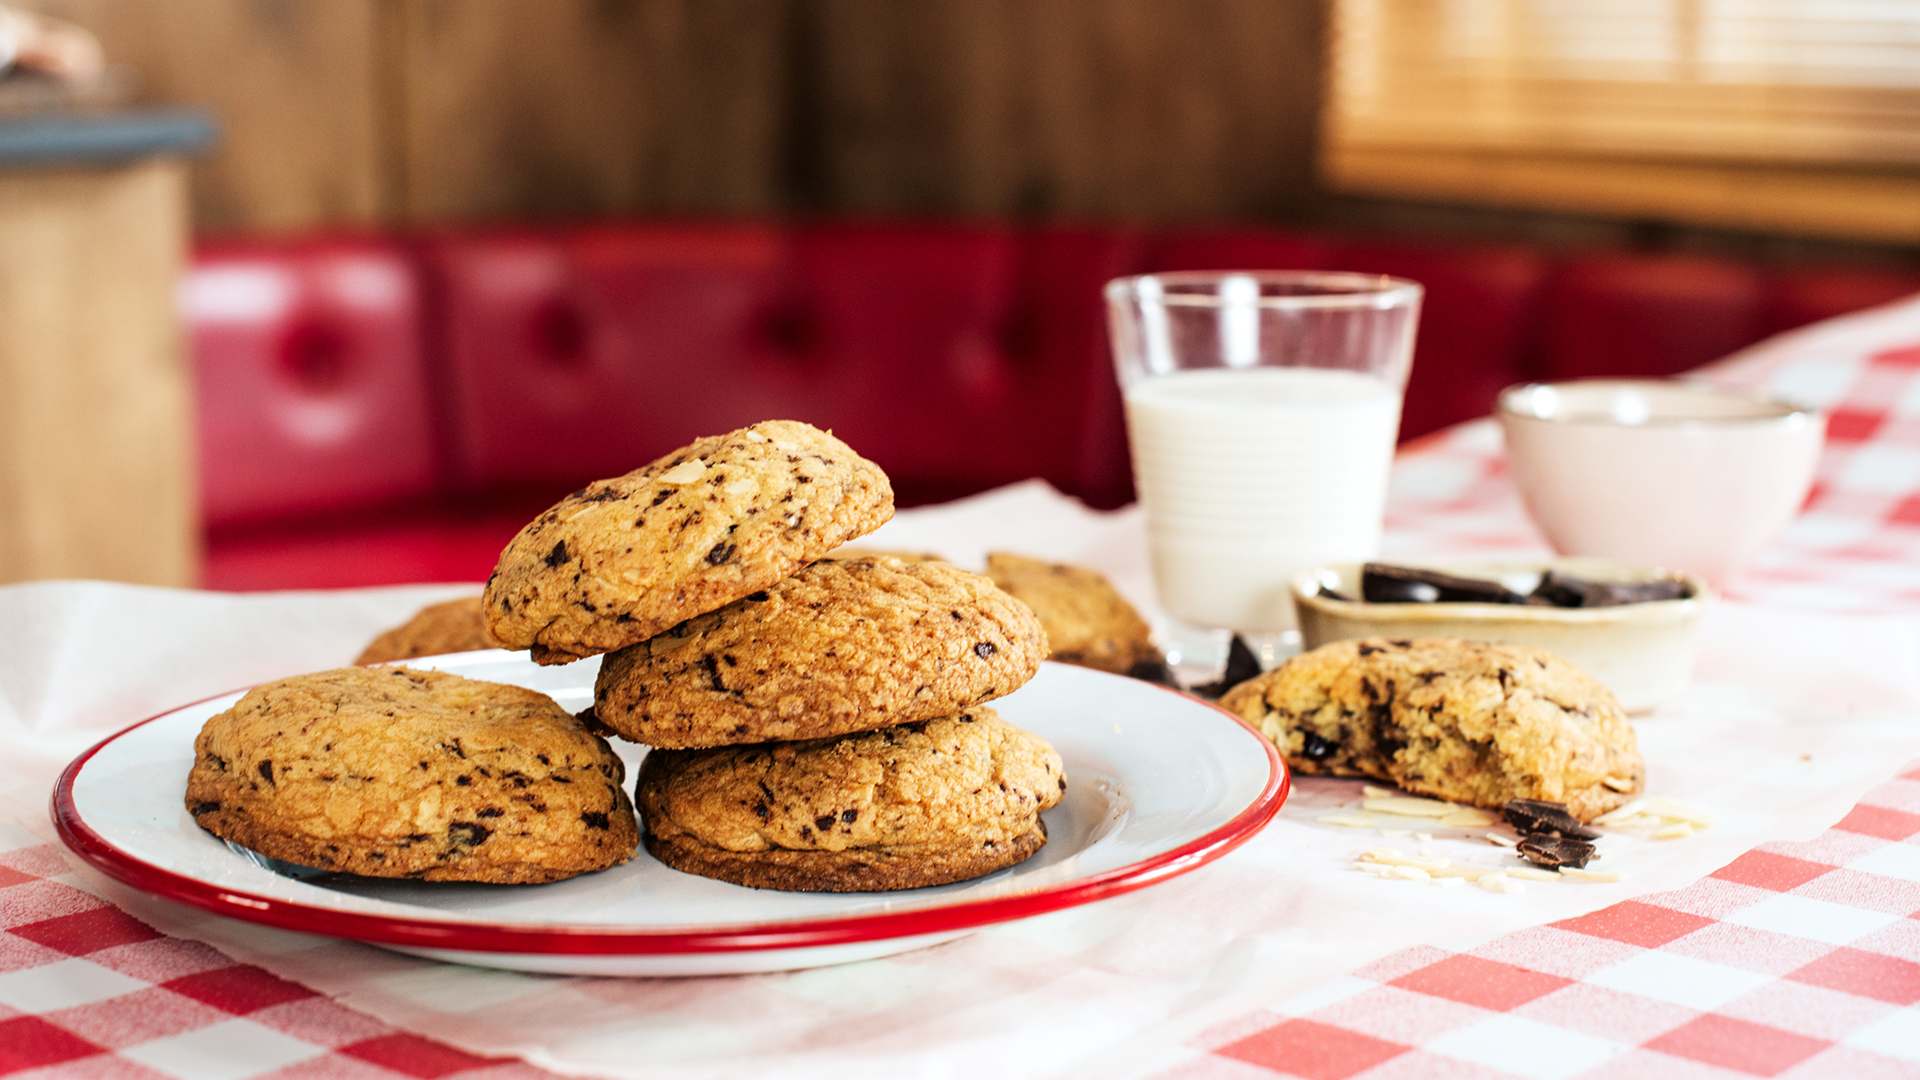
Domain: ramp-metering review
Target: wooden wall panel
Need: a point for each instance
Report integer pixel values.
(368, 112)
(1081, 108)
(295, 84)
(516, 108)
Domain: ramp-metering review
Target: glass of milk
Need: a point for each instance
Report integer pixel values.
(1262, 409)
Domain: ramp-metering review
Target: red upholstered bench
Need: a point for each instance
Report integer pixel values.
(378, 411)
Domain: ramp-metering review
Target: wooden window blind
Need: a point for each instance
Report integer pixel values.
(1797, 114)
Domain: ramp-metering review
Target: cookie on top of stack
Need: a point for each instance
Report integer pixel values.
(817, 724)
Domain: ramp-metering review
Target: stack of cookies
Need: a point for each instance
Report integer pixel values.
(816, 724)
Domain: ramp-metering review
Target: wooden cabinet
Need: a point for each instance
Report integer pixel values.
(96, 475)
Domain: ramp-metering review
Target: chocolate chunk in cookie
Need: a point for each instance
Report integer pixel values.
(1088, 622)
(1470, 721)
(621, 560)
(844, 645)
(918, 804)
(438, 629)
(391, 772)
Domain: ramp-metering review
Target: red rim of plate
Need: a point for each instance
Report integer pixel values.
(561, 939)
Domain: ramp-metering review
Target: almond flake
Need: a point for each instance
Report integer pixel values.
(1503, 841)
(1622, 813)
(1372, 792)
(1619, 784)
(1531, 873)
(1500, 883)
(1589, 875)
(1674, 831)
(1390, 857)
(754, 436)
(1407, 806)
(1411, 873)
(1351, 821)
(684, 473)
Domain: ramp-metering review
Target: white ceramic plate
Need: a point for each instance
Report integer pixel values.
(1159, 783)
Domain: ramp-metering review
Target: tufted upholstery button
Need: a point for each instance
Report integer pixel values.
(311, 377)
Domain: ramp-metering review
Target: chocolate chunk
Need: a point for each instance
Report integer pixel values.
(464, 833)
(1554, 852)
(1241, 666)
(1538, 817)
(1334, 594)
(1153, 670)
(1315, 747)
(1562, 590)
(1384, 584)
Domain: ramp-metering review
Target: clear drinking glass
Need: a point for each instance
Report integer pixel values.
(1262, 410)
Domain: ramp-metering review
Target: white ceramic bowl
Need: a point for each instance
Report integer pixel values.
(1659, 472)
(1643, 652)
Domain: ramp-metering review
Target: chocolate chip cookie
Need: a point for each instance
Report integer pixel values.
(1468, 721)
(391, 772)
(916, 804)
(621, 560)
(455, 626)
(844, 645)
(1087, 621)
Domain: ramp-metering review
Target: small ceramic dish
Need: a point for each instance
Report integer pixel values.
(1643, 652)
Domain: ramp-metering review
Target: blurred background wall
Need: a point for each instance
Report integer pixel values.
(377, 113)
(383, 112)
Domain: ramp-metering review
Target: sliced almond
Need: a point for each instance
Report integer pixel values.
(1619, 783)
(1350, 821)
(1500, 883)
(1531, 873)
(1407, 806)
(1372, 792)
(684, 473)
(1392, 857)
(1411, 873)
(1621, 813)
(1503, 841)
(1589, 875)
(1674, 831)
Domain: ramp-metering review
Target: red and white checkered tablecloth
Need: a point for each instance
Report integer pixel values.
(1795, 960)
(88, 991)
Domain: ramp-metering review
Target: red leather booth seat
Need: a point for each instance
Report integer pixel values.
(311, 378)
(384, 411)
(958, 359)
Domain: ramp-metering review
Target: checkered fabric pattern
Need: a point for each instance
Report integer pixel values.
(86, 991)
(1795, 960)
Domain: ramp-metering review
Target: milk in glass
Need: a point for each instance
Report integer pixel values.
(1252, 475)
